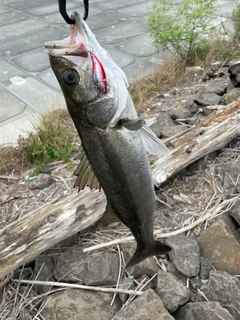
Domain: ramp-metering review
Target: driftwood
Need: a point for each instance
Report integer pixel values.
(24, 239)
(211, 134)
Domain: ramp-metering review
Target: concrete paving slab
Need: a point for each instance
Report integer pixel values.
(121, 58)
(100, 21)
(11, 16)
(7, 71)
(139, 46)
(10, 106)
(26, 4)
(119, 4)
(33, 40)
(40, 97)
(137, 10)
(4, 9)
(49, 77)
(9, 132)
(50, 8)
(139, 70)
(121, 31)
(32, 61)
(21, 27)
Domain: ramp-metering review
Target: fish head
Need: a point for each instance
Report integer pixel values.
(86, 71)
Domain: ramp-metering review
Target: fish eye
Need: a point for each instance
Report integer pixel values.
(70, 76)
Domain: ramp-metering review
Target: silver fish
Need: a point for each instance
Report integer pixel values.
(114, 140)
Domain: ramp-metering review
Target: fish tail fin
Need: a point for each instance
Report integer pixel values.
(157, 248)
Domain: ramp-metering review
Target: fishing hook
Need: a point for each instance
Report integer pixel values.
(62, 9)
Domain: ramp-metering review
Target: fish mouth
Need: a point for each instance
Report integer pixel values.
(75, 47)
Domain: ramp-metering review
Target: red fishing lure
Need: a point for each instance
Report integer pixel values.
(99, 75)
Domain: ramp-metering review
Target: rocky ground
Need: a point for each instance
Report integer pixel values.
(200, 276)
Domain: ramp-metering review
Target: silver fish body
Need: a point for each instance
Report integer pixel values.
(116, 155)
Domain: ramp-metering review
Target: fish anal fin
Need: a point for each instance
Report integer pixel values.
(109, 216)
(157, 248)
(132, 124)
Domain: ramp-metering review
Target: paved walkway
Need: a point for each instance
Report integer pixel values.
(28, 87)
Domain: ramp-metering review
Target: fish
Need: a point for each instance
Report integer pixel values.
(114, 140)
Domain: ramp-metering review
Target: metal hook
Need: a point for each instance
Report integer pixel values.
(62, 9)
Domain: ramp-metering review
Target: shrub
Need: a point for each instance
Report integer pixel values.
(182, 29)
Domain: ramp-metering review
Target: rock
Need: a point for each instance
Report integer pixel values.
(164, 120)
(235, 211)
(171, 291)
(232, 95)
(166, 223)
(100, 269)
(43, 271)
(165, 127)
(229, 174)
(24, 314)
(148, 306)
(194, 70)
(224, 288)
(203, 310)
(184, 255)
(181, 113)
(217, 87)
(234, 74)
(207, 99)
(74, 304)
(42, 181)
(205, 268)
(192, 106)
(172, 269)
(219, 244)
(127, 284)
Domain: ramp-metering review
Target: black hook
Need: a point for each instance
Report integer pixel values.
(62, 9)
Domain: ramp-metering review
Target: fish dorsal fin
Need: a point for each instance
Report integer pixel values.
(152, 143)
(84, 173)
(109, 216)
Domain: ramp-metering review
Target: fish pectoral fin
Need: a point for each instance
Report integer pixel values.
(84, 173)
(109, 216)
(152, 143)
(132, 124)
(160, 205)
(157, 248)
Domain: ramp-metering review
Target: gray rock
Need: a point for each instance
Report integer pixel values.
(217, 87)
(205, 268)
(43, 271)
(202, 310)
(185, 254)
(232, 95)
(172, 292)
(165, 127)
(100, 269)
(235, 211)
(207, 99)
(73, 304)
(166, 223)
(127, 284)
(224, 288)
(148, 307)
(42, 181)
(229, 174)
(172, 269)
(181, 113)
(219, 243)
(192, 106)
(172, 130)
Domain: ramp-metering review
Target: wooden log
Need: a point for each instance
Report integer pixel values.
(213, 133)
(24, 239)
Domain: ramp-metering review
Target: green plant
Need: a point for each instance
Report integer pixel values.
(52, 141)
(236, 21)
(182, 30)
